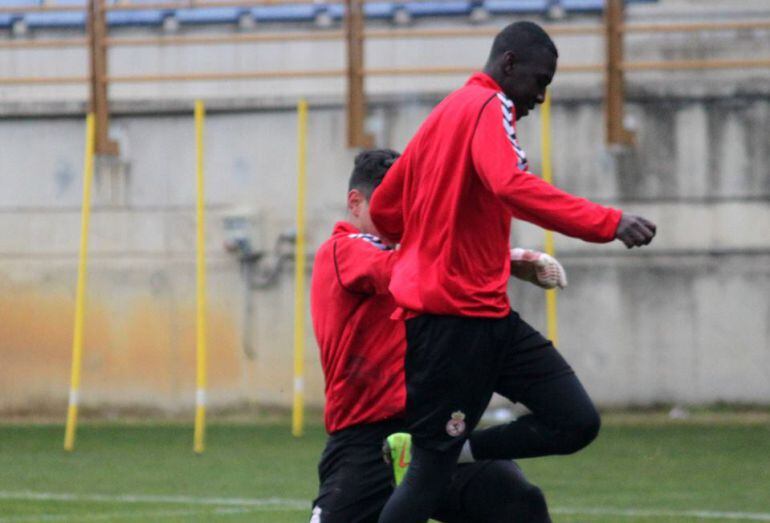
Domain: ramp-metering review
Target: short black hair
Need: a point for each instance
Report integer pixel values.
(524, 38)
(369, 169)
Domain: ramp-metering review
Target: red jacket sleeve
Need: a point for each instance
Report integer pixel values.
(363, 264)
(498, 160)
(385, 206)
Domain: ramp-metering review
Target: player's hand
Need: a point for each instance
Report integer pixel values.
(635, 231)
(539, 268)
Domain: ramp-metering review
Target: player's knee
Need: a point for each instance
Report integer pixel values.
(534, 501)
(582, 433)
(590, 428)
(527, 504)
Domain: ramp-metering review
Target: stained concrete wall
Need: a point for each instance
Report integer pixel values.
(686, 320)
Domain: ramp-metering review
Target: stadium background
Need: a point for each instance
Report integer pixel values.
(683, 322)
(671, 340)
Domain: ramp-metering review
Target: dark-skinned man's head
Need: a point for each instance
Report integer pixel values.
(523, 61)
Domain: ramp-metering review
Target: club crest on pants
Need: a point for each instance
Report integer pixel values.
(456, 425)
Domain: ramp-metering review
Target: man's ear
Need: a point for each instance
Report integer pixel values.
(508, 62)
(355, 199)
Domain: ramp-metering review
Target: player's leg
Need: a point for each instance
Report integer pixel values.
(492, 492)
(563, 420)
(355, 483)
(451, 367)
(423, 486)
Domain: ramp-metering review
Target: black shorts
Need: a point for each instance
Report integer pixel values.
(355, 481)
(454, 364)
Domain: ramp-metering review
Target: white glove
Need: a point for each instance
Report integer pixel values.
(548, 272)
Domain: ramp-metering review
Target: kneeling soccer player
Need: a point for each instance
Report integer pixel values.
(362, 354)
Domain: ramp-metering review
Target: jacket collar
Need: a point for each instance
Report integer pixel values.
(483, 80)
(343, 227)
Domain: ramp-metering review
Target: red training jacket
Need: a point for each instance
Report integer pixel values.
(449, 200)
(362, 350)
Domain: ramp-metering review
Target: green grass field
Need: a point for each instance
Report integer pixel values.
(639, 470)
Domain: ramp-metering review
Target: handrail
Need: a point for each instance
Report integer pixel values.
(671, 65)
(43, 80)
(43, 43)
(695, 26)
(223, 39)
(215, 76)
(383, 71)
(23, 9)
(370, 34)
(376, 34)
(239, 75)
(555, 29)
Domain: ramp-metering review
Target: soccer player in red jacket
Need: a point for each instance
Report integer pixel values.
(362, 355)
(449, 201)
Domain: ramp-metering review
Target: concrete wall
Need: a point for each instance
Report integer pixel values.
(686, 320)
(683, 321)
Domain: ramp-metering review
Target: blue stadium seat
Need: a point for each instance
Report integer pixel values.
(448, 8)
(337, 11)
(386, 10)
(210, 15)
(20, 3)
(7, 19)
(594, 6)
(518, 7)
(136, 18)
(379, 10)
(286, 13)
(63, 19)
(83, 3)
(382, 10)
(583, 5)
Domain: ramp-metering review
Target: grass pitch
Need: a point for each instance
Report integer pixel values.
(641, 469)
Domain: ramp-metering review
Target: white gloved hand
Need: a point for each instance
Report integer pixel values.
(548, 272)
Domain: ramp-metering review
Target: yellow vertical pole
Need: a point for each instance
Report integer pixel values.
(298, 409)
(200, 391)
(552, 328)
(77, 338)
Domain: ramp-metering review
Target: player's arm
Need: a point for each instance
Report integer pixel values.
(530, 198)
(386, 206)
(538, 268)
(363, 264)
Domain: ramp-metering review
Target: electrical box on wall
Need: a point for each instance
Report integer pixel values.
(244, 232)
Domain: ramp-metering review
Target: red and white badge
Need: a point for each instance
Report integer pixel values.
(456, 425)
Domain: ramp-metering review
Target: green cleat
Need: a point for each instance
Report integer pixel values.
(397, 451)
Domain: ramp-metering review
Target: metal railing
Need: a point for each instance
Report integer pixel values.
(99, 43)
(381, 34)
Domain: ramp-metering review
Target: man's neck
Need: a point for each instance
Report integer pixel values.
(492, 73)
(355, 222)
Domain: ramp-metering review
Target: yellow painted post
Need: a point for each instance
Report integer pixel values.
(552, 328)
(200, 391)
(77, 338)
(298, 409)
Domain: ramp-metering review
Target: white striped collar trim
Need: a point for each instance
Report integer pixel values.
(508, 108)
